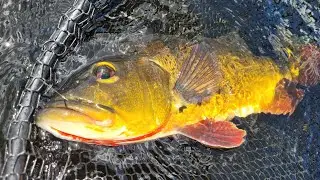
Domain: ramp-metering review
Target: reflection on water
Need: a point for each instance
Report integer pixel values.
(279, 147)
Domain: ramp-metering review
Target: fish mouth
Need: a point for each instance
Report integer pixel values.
(79, 120)
(83, 121)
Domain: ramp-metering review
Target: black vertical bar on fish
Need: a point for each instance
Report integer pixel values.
(67, 36)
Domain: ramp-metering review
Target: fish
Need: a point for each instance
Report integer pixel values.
(190, 89)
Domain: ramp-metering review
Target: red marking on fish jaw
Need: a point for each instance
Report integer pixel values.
(221, 134)
(85, 140)
(309, 74)
(109, 142)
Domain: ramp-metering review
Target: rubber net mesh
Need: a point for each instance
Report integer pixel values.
(277, 147)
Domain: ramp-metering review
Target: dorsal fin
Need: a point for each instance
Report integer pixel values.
(200, 75)
(163, 56)
(231, 42)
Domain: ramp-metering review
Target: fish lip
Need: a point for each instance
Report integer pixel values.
(63, 104)
(67, 136)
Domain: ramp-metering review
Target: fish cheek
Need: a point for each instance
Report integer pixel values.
(143, 98)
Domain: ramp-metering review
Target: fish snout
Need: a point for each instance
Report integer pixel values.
(79, 119)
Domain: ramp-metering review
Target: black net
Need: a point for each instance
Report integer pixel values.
(277, 147)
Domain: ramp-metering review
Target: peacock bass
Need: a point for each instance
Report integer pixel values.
(193, 90)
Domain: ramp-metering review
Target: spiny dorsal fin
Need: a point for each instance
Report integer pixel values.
(163, 56)
(200, 75)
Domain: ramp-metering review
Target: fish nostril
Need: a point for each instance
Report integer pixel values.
(65, 103)
(182, 108)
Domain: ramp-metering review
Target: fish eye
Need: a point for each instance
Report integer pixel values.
(104, 72)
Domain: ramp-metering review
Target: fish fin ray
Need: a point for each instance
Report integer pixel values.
(309, 74)
(287, 97)
(220, 134)
(200, 69)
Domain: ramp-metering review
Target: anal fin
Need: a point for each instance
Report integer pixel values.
(220, 134)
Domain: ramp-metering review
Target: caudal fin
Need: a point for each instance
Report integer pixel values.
(309, 70)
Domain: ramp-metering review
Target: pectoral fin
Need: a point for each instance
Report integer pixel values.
(200, 75)
(220, 134)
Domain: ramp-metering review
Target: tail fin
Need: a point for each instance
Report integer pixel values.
(309, 65)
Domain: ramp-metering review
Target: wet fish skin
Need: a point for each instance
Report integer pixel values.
(194, 90)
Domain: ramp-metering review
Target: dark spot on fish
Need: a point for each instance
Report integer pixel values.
(182, 108)
(106, 108)
(65, 103)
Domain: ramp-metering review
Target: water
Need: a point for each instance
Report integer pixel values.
(277, 147)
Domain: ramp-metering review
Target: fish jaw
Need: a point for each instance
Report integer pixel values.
(82, 122)
(68, 124)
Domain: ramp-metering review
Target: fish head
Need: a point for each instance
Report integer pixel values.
(110, 102)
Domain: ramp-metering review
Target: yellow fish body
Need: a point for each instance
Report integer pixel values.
(194, 90)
